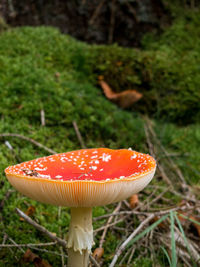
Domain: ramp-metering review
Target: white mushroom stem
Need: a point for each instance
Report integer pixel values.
(80, 239)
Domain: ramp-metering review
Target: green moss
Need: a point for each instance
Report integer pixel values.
(166, 72)
(30, 60)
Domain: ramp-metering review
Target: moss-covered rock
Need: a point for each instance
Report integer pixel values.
(166, 71)
(42, 69)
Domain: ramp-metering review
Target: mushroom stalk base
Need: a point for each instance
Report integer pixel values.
(75, 259)
(80, 239)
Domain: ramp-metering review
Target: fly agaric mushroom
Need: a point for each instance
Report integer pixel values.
(83, 179)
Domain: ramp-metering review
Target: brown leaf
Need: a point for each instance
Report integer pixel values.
(119, 63)
(124, 99)
(98, 253)
(38, 262)
(162, 225)
(29, 257)
(134, 201)
(100, 77)
(182, 219)
(197, 226)
(20, 107)
(185, 219)
(57, 75)
(30, 211)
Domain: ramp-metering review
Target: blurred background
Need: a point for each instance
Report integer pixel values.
(116, 74)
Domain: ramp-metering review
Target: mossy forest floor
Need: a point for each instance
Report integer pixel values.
(41, 69)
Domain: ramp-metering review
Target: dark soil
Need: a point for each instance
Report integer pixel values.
(98, 21)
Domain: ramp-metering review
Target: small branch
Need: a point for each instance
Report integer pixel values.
(131, 255)
(11, 8)
(106, 226)
(42, 113)
(92, 259)
(156, 213)
(96, 12)
(151, 149)
(61, 248)
(16, 245)
(9, 146)
(7, 195)
(109, 225)
(60, 241)
(132, 10)
(40, 228)
(125, 243)
(174, 166)
(47, 251)
(149, 203)
(29, 140)
(112, 22)
(28, 245)
(78, 134)
(5, 237)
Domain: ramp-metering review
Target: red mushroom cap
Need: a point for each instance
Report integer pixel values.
(87, 177)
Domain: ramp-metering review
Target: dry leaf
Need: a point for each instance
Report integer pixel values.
(197, 226)
(162, 225)
(124, 99)
(182, 219)
(57, 75)
(119, 63)
(20, 107)
(30, 211)
(100, 77)
(29, 256)
(186, 221)
(98, 253)
(134, 201)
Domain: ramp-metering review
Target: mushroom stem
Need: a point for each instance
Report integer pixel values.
(80, 238)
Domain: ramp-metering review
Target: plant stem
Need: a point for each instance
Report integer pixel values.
(80, 238)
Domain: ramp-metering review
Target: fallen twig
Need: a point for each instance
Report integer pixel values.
(16, 245)
(7, 195)
(112, 22)
(133, 212)
(106, 226)
(46, 251)
(132, 10)
(78, 134)
(131, 255)
(174, 166)
(60, 241)
(151, 149)
(96, 12)
(42, 113)
(61, 248)
(156, 198)
(29, 140)
(109, 225)
(9, 146)
(28, 245)
(124, 244)
(5, 237)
